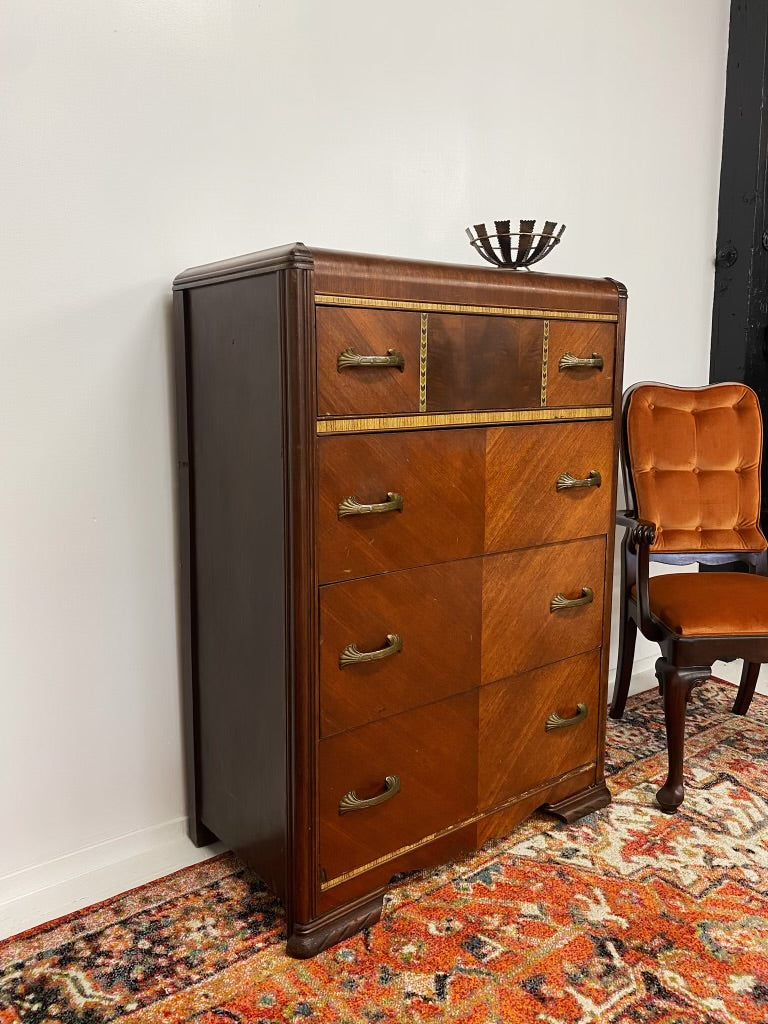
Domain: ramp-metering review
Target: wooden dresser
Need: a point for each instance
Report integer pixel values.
(397, 492)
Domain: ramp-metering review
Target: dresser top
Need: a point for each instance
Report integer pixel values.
(387, 277)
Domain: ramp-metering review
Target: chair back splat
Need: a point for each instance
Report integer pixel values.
(694, 455)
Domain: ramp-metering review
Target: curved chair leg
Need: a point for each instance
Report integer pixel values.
(749, 674)
(677, 684)
(627, 637)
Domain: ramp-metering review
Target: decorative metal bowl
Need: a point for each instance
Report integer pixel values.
(512, 250)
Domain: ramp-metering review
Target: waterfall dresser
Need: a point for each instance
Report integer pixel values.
(397, 493)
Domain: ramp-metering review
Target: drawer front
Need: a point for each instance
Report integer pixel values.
(432, 751)
(432, 619)
(535, 483)
(524, 621)
(426, 362)
(385, 361)
(360, 388)
(536, 727)
(569, 382)
(483, 362)
(463, 492)
(404, 639)
(438, 474)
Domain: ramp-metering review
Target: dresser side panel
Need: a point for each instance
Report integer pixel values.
(236, 447)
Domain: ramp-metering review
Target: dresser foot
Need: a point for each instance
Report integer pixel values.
(307, 940)
(578, 804)
(199, 833)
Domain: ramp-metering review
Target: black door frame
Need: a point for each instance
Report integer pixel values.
(739, 347)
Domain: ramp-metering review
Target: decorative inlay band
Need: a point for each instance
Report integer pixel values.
(454, 828)
(422, 421)
(457, 307)
(423, 363)
(544, 363)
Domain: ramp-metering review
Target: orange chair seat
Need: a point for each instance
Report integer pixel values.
(710, 603)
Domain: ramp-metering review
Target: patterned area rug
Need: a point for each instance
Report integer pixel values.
(628, 917)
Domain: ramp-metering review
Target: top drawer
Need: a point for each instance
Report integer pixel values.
(580, 359)
(390, 361)
(347, 383)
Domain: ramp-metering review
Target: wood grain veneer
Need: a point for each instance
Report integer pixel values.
(583, 340)
(367, 390)
(519, 629)
(483, 362)
(440, 477)
(464, 492)
(432, 749)
(513, 737)
(523, 506)
(473, 434)
(423, 607)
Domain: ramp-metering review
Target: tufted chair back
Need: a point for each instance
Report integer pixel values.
(694, 458)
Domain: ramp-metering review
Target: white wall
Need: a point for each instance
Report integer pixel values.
(143, 137)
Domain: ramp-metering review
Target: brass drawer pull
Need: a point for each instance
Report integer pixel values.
(556, 722)
(348, 359)
(352, 507)
(567, 482)
(352, 655)
(560, 601)
(571, 362)
(352, 802)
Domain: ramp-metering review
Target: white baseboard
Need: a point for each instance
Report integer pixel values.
(643, 677)
(61, 886)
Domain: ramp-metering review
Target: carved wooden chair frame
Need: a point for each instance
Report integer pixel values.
(686, 661)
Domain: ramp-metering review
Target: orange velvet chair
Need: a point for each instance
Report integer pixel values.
(691, 466)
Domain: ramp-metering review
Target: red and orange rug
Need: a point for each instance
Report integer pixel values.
(628, 917)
